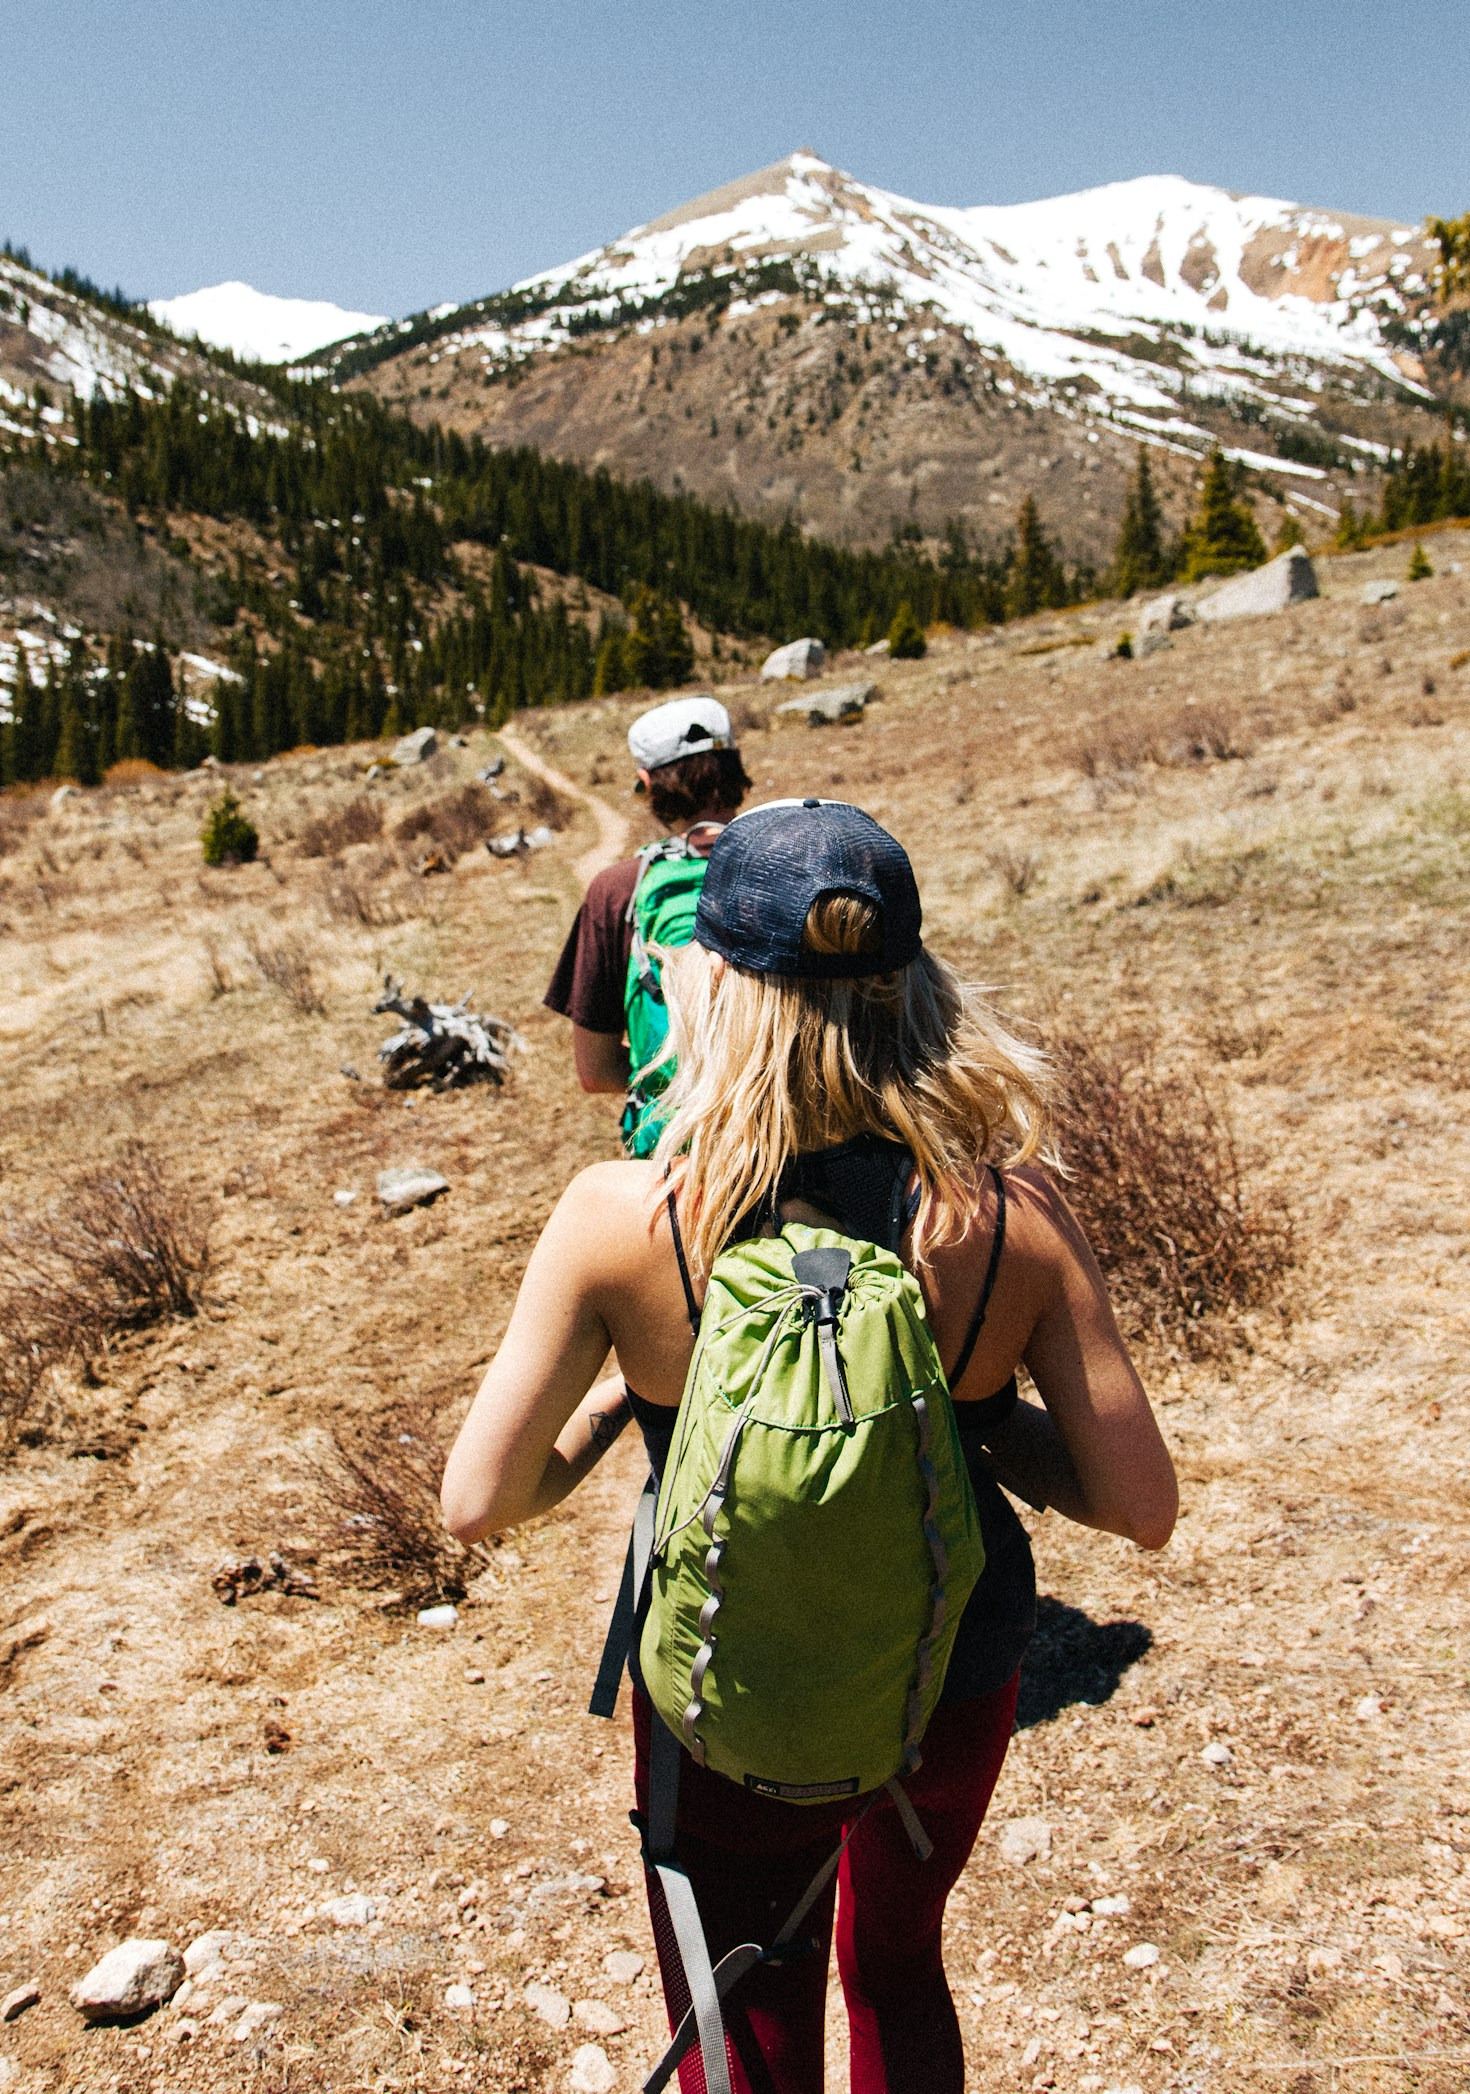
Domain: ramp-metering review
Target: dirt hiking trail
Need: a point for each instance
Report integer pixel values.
(612, 828)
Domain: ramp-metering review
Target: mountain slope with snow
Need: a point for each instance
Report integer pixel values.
(254, 324)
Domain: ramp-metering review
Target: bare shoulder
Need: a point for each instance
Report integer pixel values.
(608, 1208)
(1039, 1221)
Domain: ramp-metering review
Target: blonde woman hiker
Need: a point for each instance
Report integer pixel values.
(820, 1289)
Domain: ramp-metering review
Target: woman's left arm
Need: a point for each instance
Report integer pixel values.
(536, 1426)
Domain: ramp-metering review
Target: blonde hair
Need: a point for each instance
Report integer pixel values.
(771, 1067)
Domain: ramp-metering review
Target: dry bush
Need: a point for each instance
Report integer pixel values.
(20, 806)
(287, 964)
(379, 1500)
(1205, 734)
(543, 802)
(1017, 868)
(1115, 748)
(352, 895)
(132, 770)
(1156, 1179)
(126, 1248)
(359, 821)
(454, 823)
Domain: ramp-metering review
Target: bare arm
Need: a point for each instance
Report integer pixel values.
(537, 1425)
(1095, 1452)
(601, 1059)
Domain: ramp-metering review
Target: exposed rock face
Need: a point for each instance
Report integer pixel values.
(130, 1979)
(412, 1185)
(1378, 592)
(1165, 614)
(825, 708)
(795, 661)
(417, 747)
(1289, 578)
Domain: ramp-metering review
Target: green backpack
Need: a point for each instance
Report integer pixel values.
(792, 1596)
(661, 913)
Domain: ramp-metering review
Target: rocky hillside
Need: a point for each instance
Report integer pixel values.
(801, 342)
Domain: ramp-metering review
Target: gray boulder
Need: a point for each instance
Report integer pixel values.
(417, 747)
(1289, 578)
(847, 701)
(412, 1185)
(130, 1979)
(1165, 614)
(794, 662)
(1377, 592)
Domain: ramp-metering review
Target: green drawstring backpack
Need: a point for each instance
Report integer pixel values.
(792, 1594)
(662, 914)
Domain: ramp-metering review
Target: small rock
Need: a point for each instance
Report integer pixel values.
(343, 1198)
(1150, 643)
(9, 2072)
(207, 1951)
(847, 701)
(499, 1827)
(491, 770)
(552, 2006)
(258, 2015)
(622, 1966)
(443, 1617)
(1377, 592)
(354, 1910)
(1369, 1707)
(474, 1679)
(184, 2030)
(1025, 1839)
(15, 2003)
(459, 1998)
(410, 1185)
(275, 1736)
(232, 2004)
(878, 647)
(1110, 1908)
(538, 838)
(507, 846)
(797, 660)
(1142, 1956)
(597, 2015)
(62, 794)
(1217, 1754)
(130, 1979)
(352, 1074)
(417, 747)
(1146, 1717)
(592, 2071)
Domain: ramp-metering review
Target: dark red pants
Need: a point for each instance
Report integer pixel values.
(749, 1860)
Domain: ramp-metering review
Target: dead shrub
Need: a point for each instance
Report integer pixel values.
(359, 821)
(1018, 869)
(1115, 749)
(349, 895)
(383, 1529)
(126, 1248)
(132, 770)
(452, 824)
(20, 806)
(1206, 734)
(1156, 1180)
(543, 802)
(287, 964)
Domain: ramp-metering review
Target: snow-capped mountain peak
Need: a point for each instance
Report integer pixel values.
(254, 324)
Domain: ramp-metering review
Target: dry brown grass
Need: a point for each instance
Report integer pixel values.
(1122, 745)
(20, 808)
(127, 1247)
(359, 821)
(288, 963)
(351, 894)
(378, 1499)
(133, 770)
(451, 825)
(1018, 868)
(1156, 1178)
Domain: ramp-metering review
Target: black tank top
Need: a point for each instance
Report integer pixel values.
(864, 1186)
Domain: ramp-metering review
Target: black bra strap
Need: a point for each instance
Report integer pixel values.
(998, 1244)
(689, 1302)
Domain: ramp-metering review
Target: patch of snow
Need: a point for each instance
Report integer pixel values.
(253, 323)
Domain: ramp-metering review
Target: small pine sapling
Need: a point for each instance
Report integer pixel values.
(906, 642)
(228, 837)
(1419, 567)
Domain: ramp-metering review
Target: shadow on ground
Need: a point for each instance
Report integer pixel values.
(1074, 1659)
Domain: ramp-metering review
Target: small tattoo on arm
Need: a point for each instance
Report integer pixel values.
(606, 1425)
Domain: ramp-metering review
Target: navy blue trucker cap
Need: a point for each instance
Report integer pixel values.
(769, 865)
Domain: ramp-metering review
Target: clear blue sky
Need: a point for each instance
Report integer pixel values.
(389, 154)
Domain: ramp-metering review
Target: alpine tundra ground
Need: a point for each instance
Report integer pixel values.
(1248, 1754)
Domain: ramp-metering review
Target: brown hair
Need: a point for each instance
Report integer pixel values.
(713, 781)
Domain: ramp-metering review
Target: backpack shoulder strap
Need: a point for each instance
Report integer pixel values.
(997, 1245)
(689, 1302)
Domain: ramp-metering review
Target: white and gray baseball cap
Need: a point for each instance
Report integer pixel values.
(683, 727)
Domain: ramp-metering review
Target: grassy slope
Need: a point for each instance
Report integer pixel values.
(1291, 920)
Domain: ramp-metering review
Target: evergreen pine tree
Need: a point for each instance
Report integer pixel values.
(906, 642)
(1035, 581)
(76, 748)
(1419, 569)
(1139, 559)
(27, 733)
(609, 674)
(1288, 534)
(1222, 537)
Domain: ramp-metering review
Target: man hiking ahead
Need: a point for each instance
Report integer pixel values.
(606, 980)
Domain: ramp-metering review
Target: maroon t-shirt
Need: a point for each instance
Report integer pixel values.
(592, 972)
